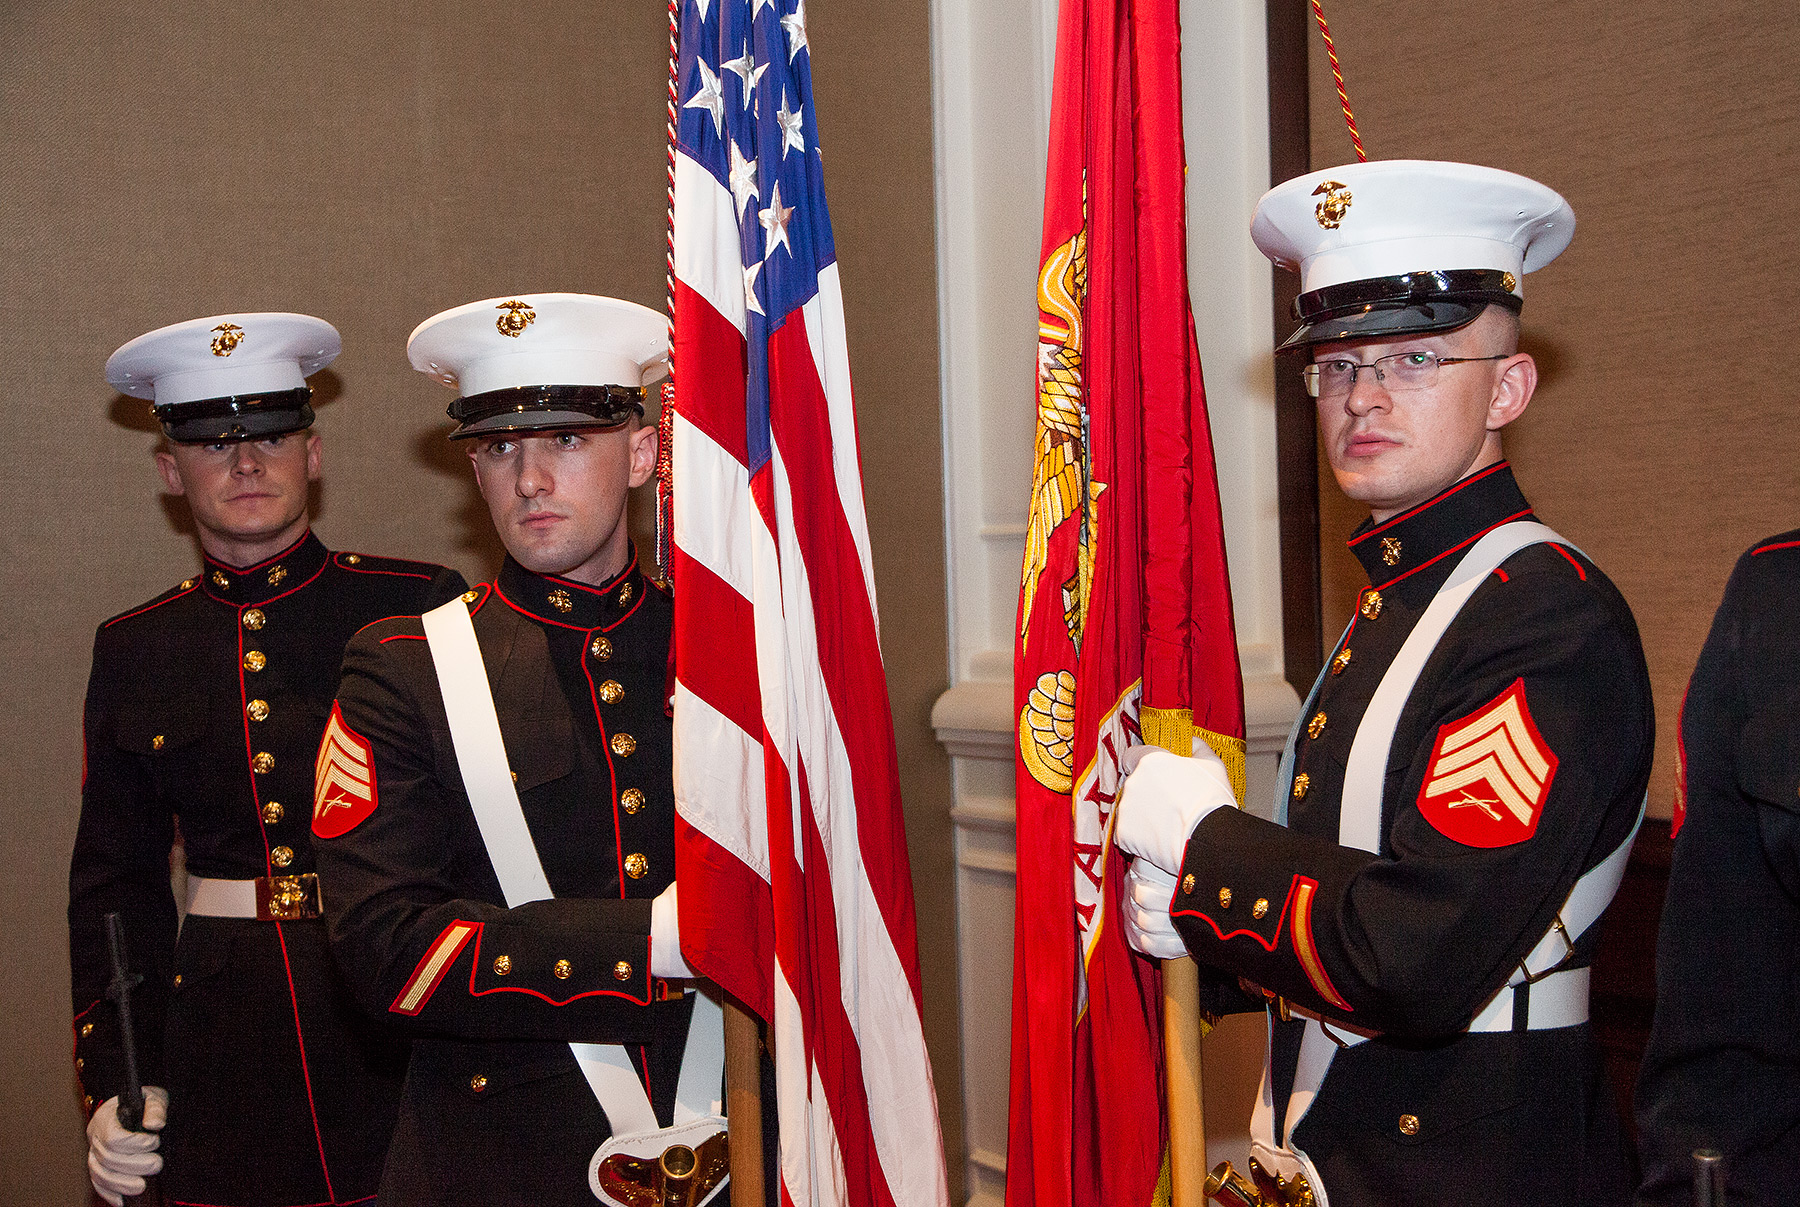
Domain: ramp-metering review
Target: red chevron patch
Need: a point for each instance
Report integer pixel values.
(343, 779)
(1489, 774)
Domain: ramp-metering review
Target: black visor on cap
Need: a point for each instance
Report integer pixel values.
(236, 417)
(1412, 303)
(522, 408)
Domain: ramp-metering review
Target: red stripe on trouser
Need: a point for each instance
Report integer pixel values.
(849, 650)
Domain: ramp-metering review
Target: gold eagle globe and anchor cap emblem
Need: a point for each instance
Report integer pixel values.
(229, 336)
(519, 315)
(1330, 212)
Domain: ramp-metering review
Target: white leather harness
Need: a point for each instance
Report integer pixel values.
(1555, 998)
(487, 778)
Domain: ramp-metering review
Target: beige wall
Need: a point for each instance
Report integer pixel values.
(1663, 439)
(372, 165)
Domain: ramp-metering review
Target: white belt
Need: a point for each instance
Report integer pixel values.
(265, 898)
(221, 898)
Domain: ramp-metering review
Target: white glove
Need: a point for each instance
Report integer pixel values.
(665, 937)
(120, 1160)
(1164, 797)
(1148, 927)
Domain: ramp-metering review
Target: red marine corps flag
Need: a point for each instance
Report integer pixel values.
(1125, 631)
(796, 895)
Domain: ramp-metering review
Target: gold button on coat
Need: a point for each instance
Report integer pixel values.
(502, 965)
(563, 970)
(1187, 885)
(1409, 1125)
(281, 856)
(187, 584)
(156, 742)
(1316, 726)
(87, 1029)
(1302, 782)
(469, 597)
(600, 648)
(623, 744)
(622, 971)
(253, 619)
(478, 1083)
(636, 865)
(255, 660)
(258, 710)
(263, 763)
(631, 800)
(612, 691)
(1371, 604)
(354, 559)
(178, 980)
(1224, 898)
(272, 812)
(1261, 908)
(1341, 661)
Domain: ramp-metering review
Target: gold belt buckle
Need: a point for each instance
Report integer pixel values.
(287, 898)
(682, 1177)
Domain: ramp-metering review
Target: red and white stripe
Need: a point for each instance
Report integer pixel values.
(796, 894)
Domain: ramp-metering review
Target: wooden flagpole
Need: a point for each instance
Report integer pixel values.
(743, 1103)
(1181, 1071)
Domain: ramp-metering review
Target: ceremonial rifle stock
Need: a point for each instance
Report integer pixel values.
(131, 1097)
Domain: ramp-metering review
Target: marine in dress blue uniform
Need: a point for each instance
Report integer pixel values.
(203, 715)
(1432, 1070)
(1722, 1070)
(575, 641)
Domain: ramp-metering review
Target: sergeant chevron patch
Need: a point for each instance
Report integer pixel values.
(343, 779)
(1489, 774)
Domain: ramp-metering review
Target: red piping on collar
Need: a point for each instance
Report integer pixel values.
(1776, 545)
(1433, 501)
(521, 609)
(1446, 553)
(266, 602)
(259, 565)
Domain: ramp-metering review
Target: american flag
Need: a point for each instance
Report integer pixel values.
(796, 895)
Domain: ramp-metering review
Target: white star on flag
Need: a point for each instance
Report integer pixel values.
(756, 9)
(795, 24)
(746, 69)
(790, 120)
(751, 272)
(710, 97)
(743, 180)
(701, 5)
(775, 222)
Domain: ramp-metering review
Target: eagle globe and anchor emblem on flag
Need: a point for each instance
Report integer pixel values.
(1061, 489)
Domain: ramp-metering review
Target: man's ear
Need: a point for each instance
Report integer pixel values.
(312, 456)
(171, 473)
(1513, 388)
(643, 446)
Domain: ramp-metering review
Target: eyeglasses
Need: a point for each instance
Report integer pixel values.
(1401, 371)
